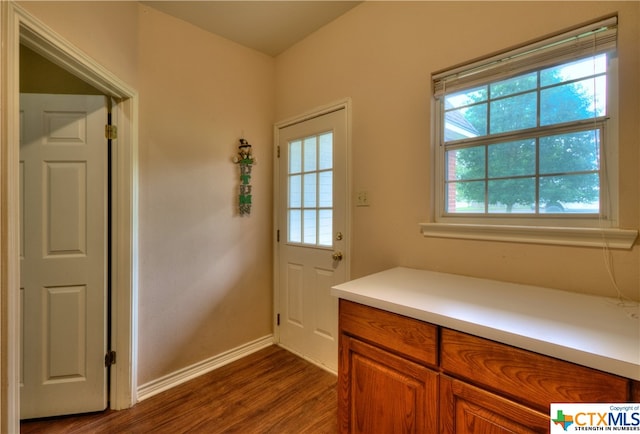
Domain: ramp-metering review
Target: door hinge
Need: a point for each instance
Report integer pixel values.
(110, 358)
(278, 319)
(278, 236)
(111, 132)
(278, 151)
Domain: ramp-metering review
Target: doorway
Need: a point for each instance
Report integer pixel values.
(22, 28)
(312, 231)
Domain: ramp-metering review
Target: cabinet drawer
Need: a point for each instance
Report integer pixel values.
(531, 378)
(405, 336)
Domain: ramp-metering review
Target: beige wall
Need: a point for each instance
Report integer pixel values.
(205, 272)
(381, 54)
(205, 279)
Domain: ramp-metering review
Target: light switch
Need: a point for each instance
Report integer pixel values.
(362, 198)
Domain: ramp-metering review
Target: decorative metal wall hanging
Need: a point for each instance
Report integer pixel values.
(245, 160)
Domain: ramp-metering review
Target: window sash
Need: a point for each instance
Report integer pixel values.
(536, 175)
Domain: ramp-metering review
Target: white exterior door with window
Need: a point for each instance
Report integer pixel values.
(312, 251)
(63, 184)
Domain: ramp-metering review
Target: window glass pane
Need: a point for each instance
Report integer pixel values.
(466, 97)
(310, 152)
(521, 83)
(325, 184)
(309, 226)
(295, 191)
(573, 101)
(465, 123)
(514, 113)
(464, 164)
(515, 195)
(570, 193)
(597, 88)
(326, 151)
(574, 70)
(310, 190)
(325, 227)
(295, 226)
(512, 158)
(465, 197)
(572, 152)
(295, 156)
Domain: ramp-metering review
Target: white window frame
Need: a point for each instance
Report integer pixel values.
(569, 229)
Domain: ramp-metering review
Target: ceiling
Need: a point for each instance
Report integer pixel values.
(265, 25)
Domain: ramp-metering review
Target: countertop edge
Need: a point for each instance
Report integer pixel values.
(603, 363)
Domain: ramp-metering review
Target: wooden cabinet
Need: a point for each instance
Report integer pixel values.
(401, 375)
(382, 386)
(386, 393)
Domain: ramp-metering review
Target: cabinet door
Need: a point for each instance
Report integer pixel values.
(465, 409)
(382, 393)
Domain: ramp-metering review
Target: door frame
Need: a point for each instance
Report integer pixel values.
(18, 26)
(344, 104)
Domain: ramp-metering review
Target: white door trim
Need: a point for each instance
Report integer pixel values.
(18, 26)
(319, 111)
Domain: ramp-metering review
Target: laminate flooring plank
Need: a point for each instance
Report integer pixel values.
(269, 391)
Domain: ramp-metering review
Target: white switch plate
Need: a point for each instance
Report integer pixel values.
(362, 198)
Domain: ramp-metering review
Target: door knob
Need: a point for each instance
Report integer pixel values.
(337, 256)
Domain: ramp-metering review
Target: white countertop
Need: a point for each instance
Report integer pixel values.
(588, 330)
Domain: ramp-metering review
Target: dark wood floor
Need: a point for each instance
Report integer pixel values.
(270, 391)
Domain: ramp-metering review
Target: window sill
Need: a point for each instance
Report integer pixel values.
(584, 237)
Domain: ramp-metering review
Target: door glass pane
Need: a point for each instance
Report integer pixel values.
(310, 190)
(325, 185)
(295, 157)
(310, 152)
(295, 228)
(295, 191)
(326, 151)
(310, 225)
(325, 230)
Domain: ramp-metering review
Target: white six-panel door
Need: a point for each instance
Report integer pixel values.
(63, 171)
(313, 234)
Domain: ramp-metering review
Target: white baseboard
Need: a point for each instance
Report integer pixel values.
(190, 372)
